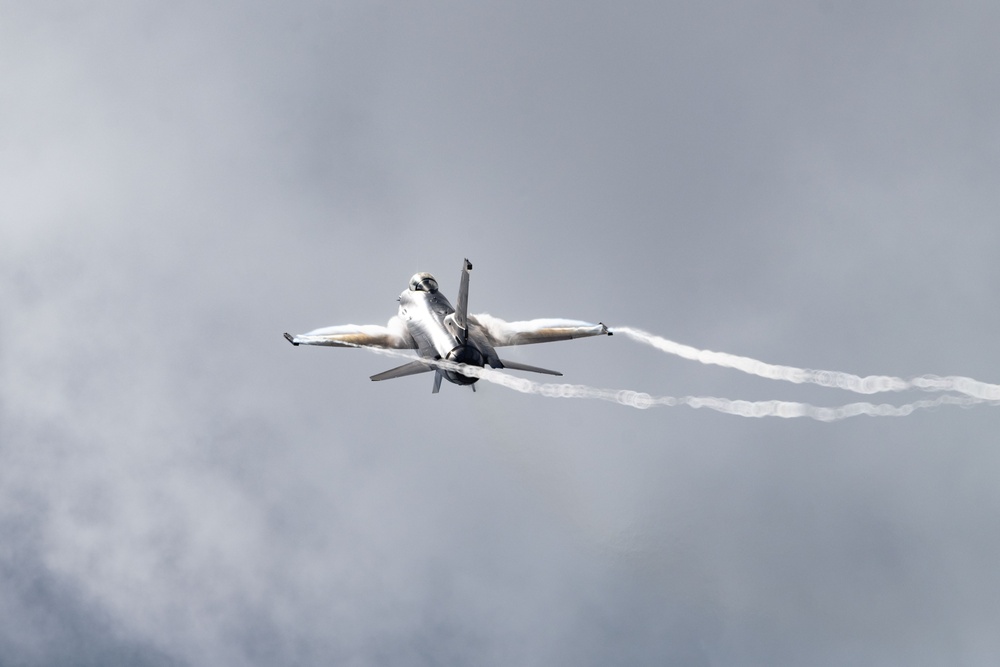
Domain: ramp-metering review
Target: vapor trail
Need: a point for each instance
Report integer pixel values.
(741, 408)
(871, 384)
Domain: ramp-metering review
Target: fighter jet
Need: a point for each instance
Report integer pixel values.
(429, 324)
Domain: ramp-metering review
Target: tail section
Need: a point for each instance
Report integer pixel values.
(462, 305)
(412, 368)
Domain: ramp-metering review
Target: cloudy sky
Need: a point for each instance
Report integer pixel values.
(181, 183)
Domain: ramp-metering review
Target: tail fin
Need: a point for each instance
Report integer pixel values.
(462, 305)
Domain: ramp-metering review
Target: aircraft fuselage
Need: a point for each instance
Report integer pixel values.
(430, 320)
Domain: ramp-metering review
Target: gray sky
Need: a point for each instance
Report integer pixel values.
(180, 183)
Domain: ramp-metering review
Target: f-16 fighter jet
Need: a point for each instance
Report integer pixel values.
(438, 331)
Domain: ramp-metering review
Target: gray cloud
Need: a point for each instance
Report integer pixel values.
(813, 187)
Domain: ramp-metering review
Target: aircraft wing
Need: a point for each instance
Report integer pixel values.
(394, 336)
(501, 333)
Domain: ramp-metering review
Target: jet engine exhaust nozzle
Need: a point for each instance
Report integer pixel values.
(464, 354)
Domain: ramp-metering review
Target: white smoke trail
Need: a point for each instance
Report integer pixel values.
(871, 384)
(741, 408)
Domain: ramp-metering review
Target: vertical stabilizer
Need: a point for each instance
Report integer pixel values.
(462, 306)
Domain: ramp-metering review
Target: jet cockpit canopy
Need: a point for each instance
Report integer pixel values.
(423, 282)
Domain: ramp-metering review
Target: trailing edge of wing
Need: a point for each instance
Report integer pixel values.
(412, 368)
(525, 367)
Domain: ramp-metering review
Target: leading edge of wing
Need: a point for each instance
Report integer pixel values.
(393, 336)
(501, 333)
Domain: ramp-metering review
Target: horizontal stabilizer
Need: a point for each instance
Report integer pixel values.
(525, 367)
(411, 368)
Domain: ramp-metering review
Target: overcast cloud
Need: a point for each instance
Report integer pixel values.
(180, 183)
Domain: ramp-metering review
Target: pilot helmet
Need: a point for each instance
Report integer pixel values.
(423, 282)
